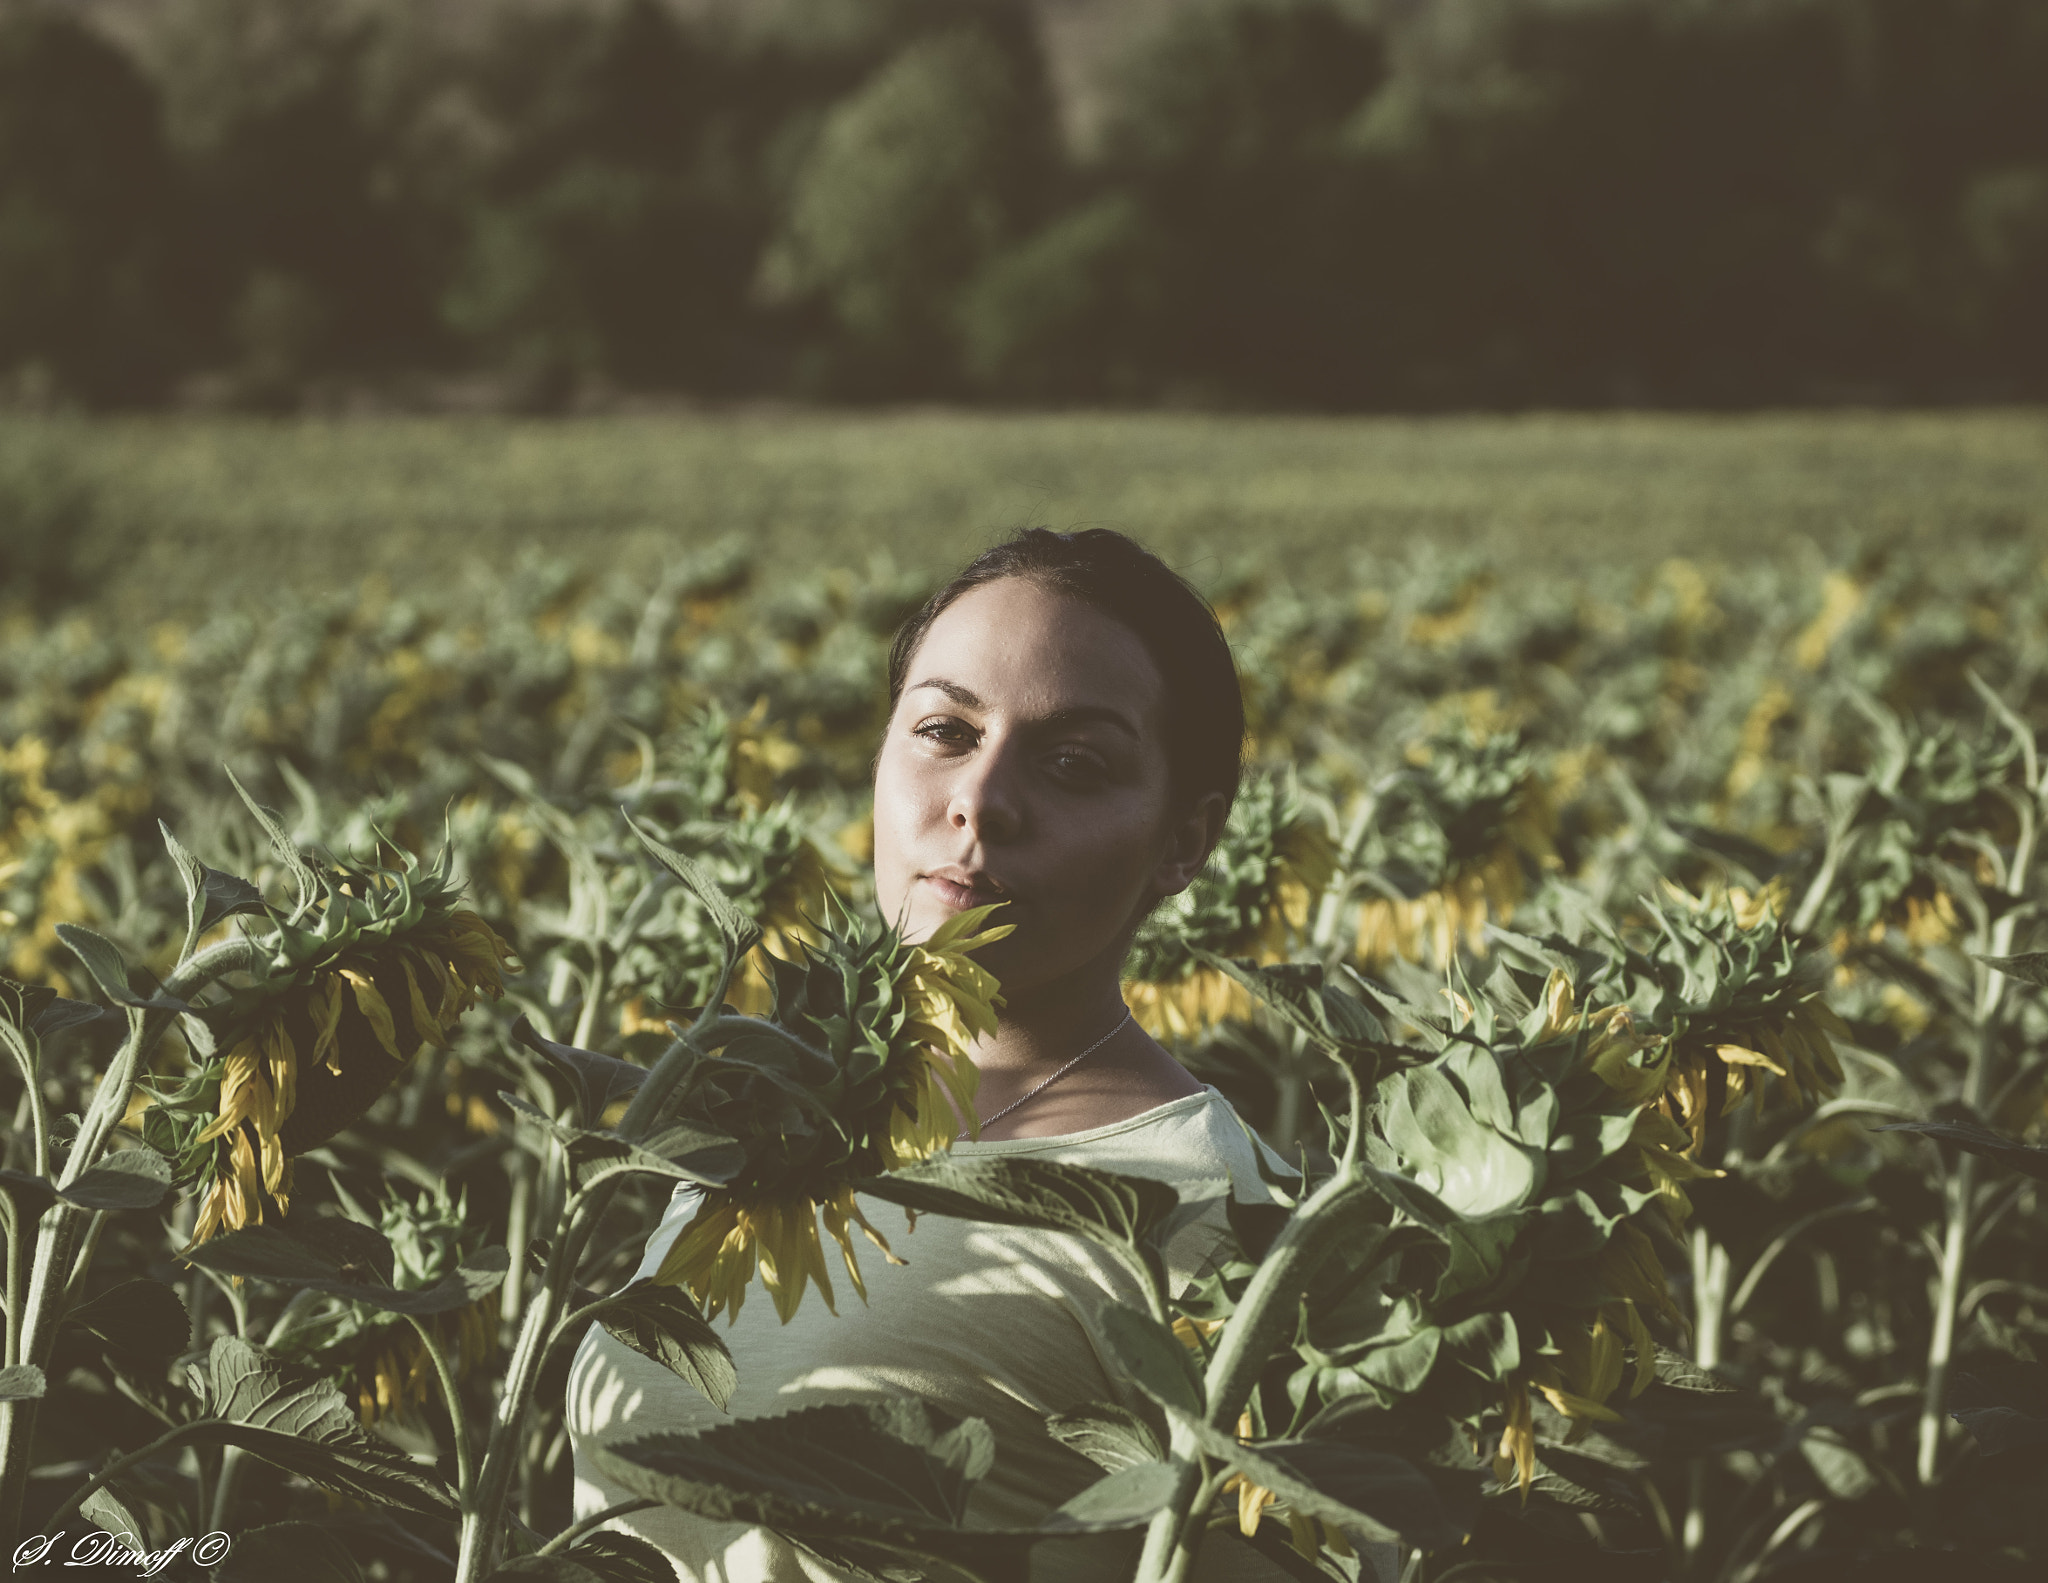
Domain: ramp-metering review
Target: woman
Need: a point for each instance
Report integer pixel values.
(1064, 738)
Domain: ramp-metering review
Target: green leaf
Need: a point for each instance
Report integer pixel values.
(210, 894)
(1116, 1211)
(662, 1323)
(355, 1265)
(1379, 1496)
(596, 1558)
(28, 1193)
(598, 1079)
(139, 1316)
(127, 1179)
(548, 1569)
(305, 881)
(1338, 1024)
(288, 1415)
(1843, 1470)
(107, 1511)
(1152, 1354)
(1473, 1168)
(741, 932)
(1129, 1498)
(2031, 967)
(1112, 1437)
(109, 970)
(1401, 1367)
(678, 1154)
(891, 1478)
(879, 1487)
(1967, 1135)
(621, 1558)
(303, 1552)
(21, 1382)
(1682, 1374)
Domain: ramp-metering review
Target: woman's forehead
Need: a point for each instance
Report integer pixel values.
(1020, 648)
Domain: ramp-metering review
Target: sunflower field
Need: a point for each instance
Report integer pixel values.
(1645, 970)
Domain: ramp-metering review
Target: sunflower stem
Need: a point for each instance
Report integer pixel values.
(122, 1464)
(583, 1525)
(484, 1502)
(1960, 1205)
(464, 1471)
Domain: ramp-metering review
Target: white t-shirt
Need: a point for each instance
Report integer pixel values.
(984, 1321)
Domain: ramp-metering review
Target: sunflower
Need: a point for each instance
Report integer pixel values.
(376, 1356)
(381, 966)
(1255, 895)
(886, 1031)
(1462, 829)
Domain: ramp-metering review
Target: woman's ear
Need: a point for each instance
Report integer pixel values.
(1192, 838)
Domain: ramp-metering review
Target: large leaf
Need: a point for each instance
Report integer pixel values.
(2030, 967)
(662, 1323)
(28, 1193)
(353, 1263)
(304, 880)
(741, 932)
(598, 1079)
(1340, 1025)
(596, 1558)
(21, 1382)
(103, 960)
(1470, 1166)
(125, 1179)
(302, 1552)
(1151, 1354)
(108, 1511)
(1375, 1494)
(1111, 1437)
(2002, 1402)
(139, 1316)
(679, 1154)
(872, 1487)
(1017, 1190)
(288, 1415)
(210, 894)
(2008, 1152)
(621, 1558)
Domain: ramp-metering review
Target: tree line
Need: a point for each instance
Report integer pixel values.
(1311, 204)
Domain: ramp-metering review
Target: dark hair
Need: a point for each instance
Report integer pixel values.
(1126, 581)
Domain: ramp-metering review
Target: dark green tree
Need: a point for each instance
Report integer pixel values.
(85, 193)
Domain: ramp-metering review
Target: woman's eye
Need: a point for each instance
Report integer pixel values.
(943, 732)
(1077, 766)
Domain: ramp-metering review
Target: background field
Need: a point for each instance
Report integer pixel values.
(1541, 671)
(176, 515)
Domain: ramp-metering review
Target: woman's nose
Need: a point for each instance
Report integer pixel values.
(985, 803)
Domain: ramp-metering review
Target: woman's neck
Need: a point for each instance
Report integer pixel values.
(1041, 1030)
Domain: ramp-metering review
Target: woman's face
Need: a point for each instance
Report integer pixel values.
(1026, 763)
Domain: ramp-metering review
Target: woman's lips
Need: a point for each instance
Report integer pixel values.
(961, 894)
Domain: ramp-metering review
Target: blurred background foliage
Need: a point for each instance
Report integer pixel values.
(1298, 203)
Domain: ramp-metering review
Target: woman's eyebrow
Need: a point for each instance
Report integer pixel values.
(1082, 713)
(966, 698)
(953, 690)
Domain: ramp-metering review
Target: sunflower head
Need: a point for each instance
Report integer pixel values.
(380, 964)
(1254, 898)
(1452, 847)
(377, 1357)
(865, 1064)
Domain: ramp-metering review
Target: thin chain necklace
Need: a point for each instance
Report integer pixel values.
(1062, 1072)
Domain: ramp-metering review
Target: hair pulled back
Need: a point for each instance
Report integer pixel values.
(1127, 582)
